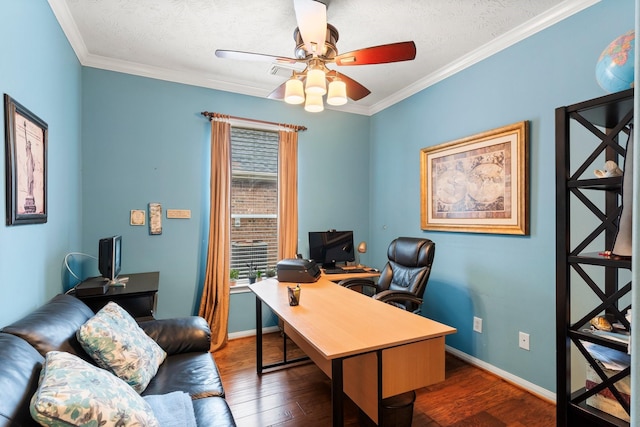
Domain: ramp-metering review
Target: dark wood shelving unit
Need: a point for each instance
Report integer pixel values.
(580, 270)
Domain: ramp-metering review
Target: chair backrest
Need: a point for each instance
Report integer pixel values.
(409, 265)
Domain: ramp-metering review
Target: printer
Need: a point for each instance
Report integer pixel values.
(297, 270)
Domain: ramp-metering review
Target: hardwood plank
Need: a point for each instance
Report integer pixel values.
(481, 419)
(300, 396)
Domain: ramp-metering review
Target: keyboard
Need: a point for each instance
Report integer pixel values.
(343, 271)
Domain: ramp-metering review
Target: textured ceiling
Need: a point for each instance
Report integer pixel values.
(175, 40)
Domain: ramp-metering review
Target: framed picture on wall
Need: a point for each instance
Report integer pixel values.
(137, 217)
(155, 218)
(478, 184)
(25, 164)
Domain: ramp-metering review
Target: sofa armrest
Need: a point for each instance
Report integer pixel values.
(179, 335)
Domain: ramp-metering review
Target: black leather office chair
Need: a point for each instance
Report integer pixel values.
(404, 278)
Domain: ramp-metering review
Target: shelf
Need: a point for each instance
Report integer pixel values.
(596, 339)
(594, 258)
(605, 184)
(605, 278)
(606, 111)
(593, 415)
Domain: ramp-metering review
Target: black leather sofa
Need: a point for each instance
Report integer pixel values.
(189, 367)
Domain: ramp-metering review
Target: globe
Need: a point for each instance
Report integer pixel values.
(614, 70)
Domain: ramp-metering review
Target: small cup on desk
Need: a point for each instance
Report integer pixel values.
(294, 295)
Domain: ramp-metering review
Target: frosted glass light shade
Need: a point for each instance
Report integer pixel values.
(294, 92)
(316, 82)
(337, 93)
(313, 103)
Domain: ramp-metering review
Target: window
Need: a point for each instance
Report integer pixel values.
(254, 199)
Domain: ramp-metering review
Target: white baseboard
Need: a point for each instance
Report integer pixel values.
(252, 332)
(522, 383)
(543, 393)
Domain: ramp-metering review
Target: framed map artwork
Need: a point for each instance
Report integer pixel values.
(478, 184)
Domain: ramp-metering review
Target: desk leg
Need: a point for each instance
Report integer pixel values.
(380, 407)
(259, 335)
(337, 395)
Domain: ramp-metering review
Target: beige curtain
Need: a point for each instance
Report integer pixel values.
(214, 304)
(288, 193)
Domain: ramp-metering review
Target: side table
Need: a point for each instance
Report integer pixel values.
(138, 297)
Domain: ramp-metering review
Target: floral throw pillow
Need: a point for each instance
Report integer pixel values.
(72, 392)
(116, 343)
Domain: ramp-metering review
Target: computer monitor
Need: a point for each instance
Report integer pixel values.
(109, 257)
(331, 247)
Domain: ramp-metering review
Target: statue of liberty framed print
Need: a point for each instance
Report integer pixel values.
(25, 164)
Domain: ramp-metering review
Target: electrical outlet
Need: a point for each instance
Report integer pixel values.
(523, 340)
(477, 324)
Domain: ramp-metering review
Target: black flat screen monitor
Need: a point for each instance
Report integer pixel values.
(109, 257)
(331, 247)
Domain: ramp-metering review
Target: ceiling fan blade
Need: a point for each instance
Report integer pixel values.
(355, 90)
(394, 52)
(249, 56)
(311, 16)
(278, 93)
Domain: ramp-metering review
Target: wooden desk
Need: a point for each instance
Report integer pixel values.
(369, 349)
(138, 297)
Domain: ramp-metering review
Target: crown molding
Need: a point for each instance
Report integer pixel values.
(194, 79)
(69, 27)
(552, 16)
(159, 73)
(521, 32)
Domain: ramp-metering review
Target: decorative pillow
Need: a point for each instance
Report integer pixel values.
(116, 343)
(72, 392)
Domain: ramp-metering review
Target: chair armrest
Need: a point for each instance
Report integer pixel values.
(179, 335)
(400, 300)
(362, 285)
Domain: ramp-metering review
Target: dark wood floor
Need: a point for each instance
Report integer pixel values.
(300, 396)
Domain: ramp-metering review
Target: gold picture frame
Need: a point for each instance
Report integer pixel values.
(26, 140)
(477, 184)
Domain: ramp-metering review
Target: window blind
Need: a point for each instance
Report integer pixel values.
(254, 200)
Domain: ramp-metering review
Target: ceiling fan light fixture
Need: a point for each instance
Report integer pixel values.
(316, 82)
(337, 93)
(294, 91)
(315, 48)
(313, 103)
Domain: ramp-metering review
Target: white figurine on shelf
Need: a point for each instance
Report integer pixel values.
(610, 169)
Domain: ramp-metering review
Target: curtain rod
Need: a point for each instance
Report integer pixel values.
(294, 127)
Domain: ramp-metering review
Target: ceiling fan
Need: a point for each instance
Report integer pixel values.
(316, 47)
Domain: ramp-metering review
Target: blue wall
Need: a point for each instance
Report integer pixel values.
(40, 71)
(508, 281)
(118, 142)
(145, 141)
